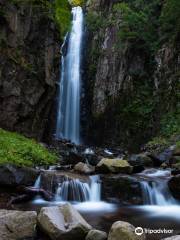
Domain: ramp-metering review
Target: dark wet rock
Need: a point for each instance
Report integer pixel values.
(176, 151)
(11, 175)
(17, 224)
(28, 193)
(174, 186)
(126, 189)
(140, 161)
(29, 68)
(63, 223)
(162, 157)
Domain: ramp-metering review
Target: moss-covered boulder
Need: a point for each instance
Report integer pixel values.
(107, 165)
(124, 231)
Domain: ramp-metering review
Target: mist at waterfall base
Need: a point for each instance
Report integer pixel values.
(68, 116)
(160, 209)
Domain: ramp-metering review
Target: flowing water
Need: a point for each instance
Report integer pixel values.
(68, 119)
(76, 191)
(37, 183)
(160, 210)
(155, 188)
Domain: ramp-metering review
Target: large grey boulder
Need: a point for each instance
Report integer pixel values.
(63, 223)
(84, 168)
(124, 231)
(17, 224)
(96, 235)
(11, 175)
(108, 165)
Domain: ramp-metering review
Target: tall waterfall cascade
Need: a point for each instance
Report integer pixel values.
(68, 116)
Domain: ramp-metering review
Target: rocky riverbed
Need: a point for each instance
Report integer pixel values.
(104, 186)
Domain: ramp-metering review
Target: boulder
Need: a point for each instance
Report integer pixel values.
(84, 168)
(17, 224)
(139, 161)
(13, 176)
(176, 237)
(122, 188)
(96, 235)
(107, 165)
(124, 231)
(63, 223)
(174, 186)
(176, 150)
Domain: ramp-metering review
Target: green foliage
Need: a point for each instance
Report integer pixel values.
(95, 22)
(63, 15)
(57, 10)
(19, 150)
(138, 25)
(170, 124)
(170, 19)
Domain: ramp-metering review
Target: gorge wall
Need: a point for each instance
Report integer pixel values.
(29, 57)
(131, 72)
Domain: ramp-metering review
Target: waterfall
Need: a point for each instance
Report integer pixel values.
(37, 183)
(75, 190)
(68, 117)
(95, 189)
(72, 190)
(155, 189)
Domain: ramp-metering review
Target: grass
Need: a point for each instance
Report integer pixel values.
(19, 150)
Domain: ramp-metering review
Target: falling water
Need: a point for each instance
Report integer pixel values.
(75, 190)
(68, 120)
(95, 189)
(72, 190)
(37, 183)
(155, 189)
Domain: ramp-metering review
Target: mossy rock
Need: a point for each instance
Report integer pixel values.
(107, 165)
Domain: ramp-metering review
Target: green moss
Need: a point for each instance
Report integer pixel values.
(63, 16)
(75, 3)
(19, 150)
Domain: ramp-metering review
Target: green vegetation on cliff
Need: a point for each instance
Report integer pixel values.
(135, 44)
(63, 15)
(21, 151)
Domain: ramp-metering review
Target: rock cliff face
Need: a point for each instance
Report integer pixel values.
(128, 90)
(29, 57)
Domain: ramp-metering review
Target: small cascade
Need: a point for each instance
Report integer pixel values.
(72, 190)
(95, 189)
(77, 191)
(37, 183)
(155, 189)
